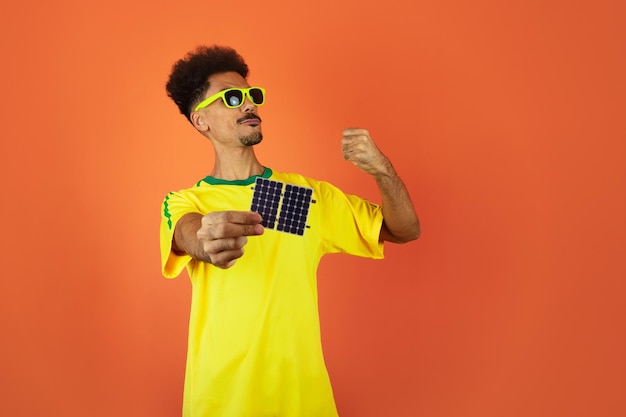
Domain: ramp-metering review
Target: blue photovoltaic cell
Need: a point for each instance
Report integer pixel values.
(294, 209)
(265, 200)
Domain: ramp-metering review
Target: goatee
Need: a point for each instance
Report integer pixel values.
(252, 139)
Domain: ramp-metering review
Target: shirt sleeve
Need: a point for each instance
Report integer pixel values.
(173, 208)
(351, 224)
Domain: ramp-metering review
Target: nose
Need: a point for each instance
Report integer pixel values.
(247, 106)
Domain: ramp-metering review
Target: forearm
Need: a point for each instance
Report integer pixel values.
(400, 224)
(186, 240)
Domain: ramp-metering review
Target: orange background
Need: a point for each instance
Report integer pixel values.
(506, 120)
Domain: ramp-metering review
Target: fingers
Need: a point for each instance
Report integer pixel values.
(223, 253)
(223, 235)
(358, 147)
(232, 216)
(228, 230)
(354, 141)
(355, 138)
(226, 224)
(354, 131)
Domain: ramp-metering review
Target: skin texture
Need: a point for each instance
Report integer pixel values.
(220, 237)
(400, 224)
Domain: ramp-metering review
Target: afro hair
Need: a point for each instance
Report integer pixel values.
(189, 79)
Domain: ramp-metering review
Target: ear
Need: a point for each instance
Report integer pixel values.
(198, 121)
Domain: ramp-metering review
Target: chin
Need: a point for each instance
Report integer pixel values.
(252, 139)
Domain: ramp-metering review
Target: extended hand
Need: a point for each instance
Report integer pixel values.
(359, 148)
(223, 235)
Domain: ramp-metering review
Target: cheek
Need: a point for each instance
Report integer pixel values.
(222, 120)
(215, 123)
(224, 128)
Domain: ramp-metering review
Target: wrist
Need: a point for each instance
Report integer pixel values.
(385, 171)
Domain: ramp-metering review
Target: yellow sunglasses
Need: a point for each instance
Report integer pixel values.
(235, 97)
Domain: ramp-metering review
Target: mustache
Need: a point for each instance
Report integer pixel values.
(248, 117)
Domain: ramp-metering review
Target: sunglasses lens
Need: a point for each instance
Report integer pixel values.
(257, 96)
(233, 98)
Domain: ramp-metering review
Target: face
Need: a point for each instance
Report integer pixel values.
(239, 126)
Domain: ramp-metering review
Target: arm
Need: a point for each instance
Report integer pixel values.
(217, 238)
(400, 224)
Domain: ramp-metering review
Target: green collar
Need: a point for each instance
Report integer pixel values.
(248, 181)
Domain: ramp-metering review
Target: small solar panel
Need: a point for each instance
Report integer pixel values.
(265, 200)
(294, 205)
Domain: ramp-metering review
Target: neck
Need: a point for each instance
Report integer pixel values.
(237, 164)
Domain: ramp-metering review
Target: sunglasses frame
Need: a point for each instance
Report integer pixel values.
(245, 92)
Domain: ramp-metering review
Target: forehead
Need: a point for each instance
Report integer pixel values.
(224, 80)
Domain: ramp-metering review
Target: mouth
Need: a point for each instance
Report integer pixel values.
(250, 120)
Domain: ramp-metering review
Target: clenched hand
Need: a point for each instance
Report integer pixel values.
(359, 148)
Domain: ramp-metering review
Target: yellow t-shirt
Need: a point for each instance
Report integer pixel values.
(254, 347)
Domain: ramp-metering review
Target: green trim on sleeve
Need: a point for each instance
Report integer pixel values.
(166, 211)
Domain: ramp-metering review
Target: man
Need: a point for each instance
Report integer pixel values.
(254, 347)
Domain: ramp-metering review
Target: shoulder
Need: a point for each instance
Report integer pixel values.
(198, 187)
(299, 179)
